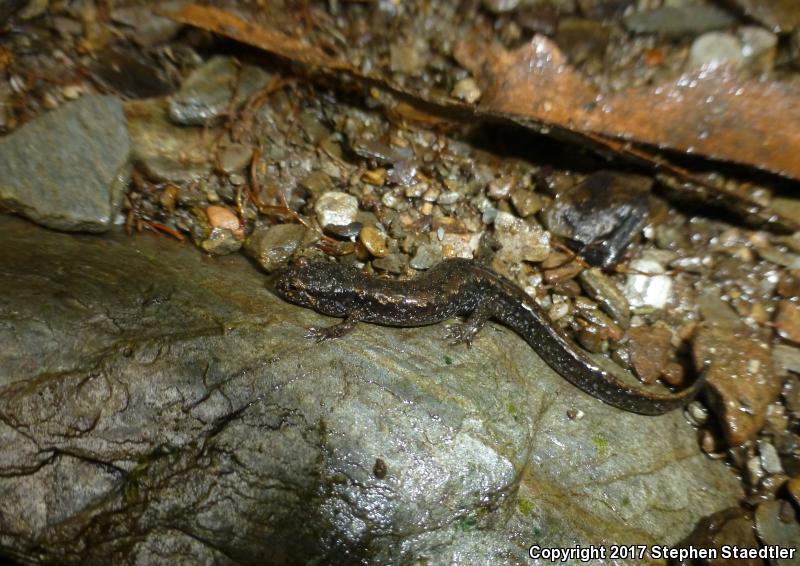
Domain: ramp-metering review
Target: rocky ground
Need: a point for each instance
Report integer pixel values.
(159, 403)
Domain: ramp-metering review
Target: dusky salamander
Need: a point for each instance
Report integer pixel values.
(460, 287)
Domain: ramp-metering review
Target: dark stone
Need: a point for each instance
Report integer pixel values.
(67, 169)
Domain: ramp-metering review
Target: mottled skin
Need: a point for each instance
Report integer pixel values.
(459, 287)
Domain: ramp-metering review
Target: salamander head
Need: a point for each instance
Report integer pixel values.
(312, 284)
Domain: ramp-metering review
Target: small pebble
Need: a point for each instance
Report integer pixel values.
(346, 232)
(374, 241)
(673, 374)
(649, 290)
(759, 48)
(221, 241)
(563, 273)
(272, 246)
(337, 208)
(776, 524)
(526, 202)
(520, 240)
(448, 197)
(754, 470)
(467, 90)
(426, 257)
(769, 458)
(234, 157)
(392, 263)
(787, 321)
(500, 6)
(500, 188)
(715, 49)
(697, 413)
(431, 195)
(604, 290)
(593, 338)
(222, 217)
(375, 177)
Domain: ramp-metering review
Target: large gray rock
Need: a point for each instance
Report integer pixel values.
(158, 406)
(67, 169)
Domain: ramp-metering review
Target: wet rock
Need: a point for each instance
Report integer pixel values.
(777, 525)
(500, 6)
(216, 239)
(601, 215)
(378, 152)
(647, 289)
(234, 157)
(715, 49)
(777, 15)
(789, 284)
(426, 257)
(741, 382)
(582, 39)
(173, 401)
(697, 413)
(769, 458)
(317, 183)
(526, 202)
(679, 21)
(404, 173)
(605, 291)
(593, 338)
(467, 90)
(150, 28)
(778, 257)
(206, 94)
(374, 241)
(500, 188)
(759, 48)
(273, 246)
(346, 232)
(395, 263)
(163, 151)
(223, 217)
(408, 56)
(562, 273)
(717, 312)
(67, 169)
(731, 527)
(650, 349)
(448, 197)
(520, 240)
(220, 241)
(787, 321)
(336, 208)
(376, 177)
(787, 358)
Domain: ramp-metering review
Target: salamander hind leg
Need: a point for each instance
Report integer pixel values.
(465, 332)
(332, 332)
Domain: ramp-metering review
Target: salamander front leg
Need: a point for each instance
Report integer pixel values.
(465, 332)
(336, 331)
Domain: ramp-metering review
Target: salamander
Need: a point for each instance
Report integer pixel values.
(456, 288)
